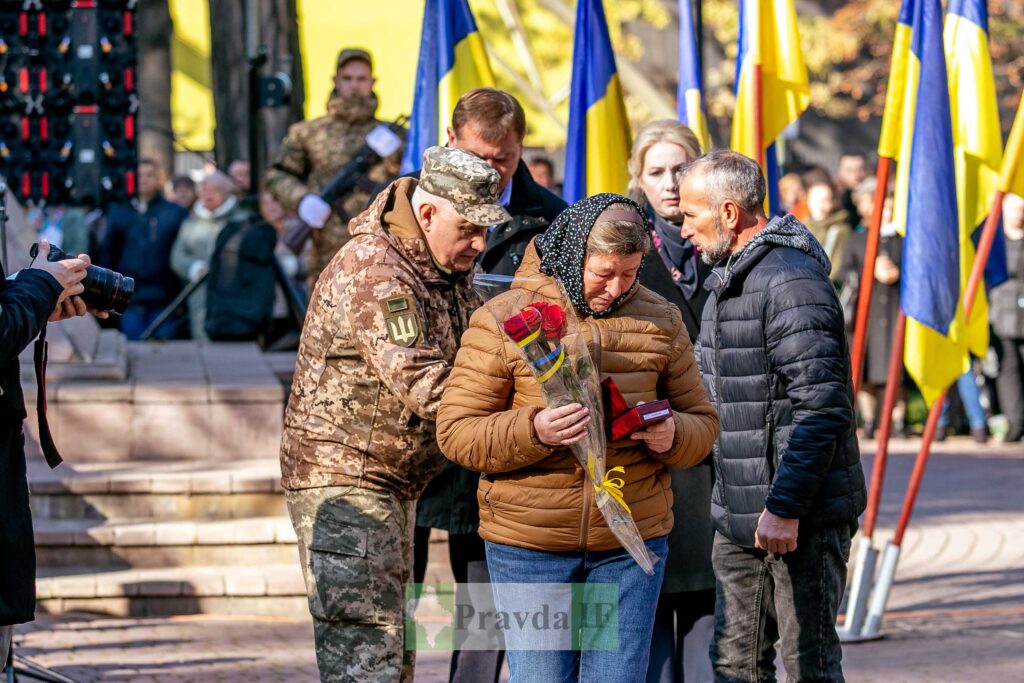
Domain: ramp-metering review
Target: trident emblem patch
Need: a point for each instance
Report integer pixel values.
(403, 329)
(401, 320)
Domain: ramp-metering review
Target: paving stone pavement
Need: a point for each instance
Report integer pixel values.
(956, 610)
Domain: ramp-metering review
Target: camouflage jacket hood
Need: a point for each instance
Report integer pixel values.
(377, 347)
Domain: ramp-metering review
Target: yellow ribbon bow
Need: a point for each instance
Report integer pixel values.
(611, 485)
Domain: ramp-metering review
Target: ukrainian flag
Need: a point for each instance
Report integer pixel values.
(689, 97)
(892, 116)
(934, 266)
(452, 61)
(977, 147)
(597, 148)
(1011, 178)
(771, 83)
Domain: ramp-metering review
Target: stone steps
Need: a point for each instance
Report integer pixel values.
(234, 489)
(180, 401)
(265, 590)
(169, 500)
(166, 543)
(136, 538)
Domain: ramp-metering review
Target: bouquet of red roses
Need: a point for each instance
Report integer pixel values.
(541, 322)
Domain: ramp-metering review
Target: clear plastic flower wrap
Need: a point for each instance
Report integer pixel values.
(538, 318)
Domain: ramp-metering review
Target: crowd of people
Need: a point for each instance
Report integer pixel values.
(410, 411)
(167, 237)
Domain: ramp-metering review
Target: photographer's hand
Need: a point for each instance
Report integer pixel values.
(69, 273)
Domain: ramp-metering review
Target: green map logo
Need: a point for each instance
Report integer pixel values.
(429, 616)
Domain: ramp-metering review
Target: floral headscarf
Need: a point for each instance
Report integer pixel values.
(563, 248)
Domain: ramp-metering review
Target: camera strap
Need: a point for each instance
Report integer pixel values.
(45, 438)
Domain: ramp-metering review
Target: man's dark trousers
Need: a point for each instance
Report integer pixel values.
(763, 597)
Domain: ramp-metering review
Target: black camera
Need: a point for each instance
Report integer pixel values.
(105, 290)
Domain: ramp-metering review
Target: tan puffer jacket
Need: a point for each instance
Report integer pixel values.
(533, 496)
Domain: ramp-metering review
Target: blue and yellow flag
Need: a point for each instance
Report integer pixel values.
(597, 148)
(452, 61)
(771, 83)
(933, 270)
(977, 148)
(977, 143)
(896, 90)
(689, 95)
(1011, 177)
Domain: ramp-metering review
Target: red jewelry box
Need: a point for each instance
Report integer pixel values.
(622, 420)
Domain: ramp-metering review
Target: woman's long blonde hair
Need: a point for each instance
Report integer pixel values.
(651, 133)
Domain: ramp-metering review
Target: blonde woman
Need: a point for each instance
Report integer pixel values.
(675, 270)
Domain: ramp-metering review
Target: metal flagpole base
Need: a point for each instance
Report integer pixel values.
(886, 574)
(860, 589)
(26, 668)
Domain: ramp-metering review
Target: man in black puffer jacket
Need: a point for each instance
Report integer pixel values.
(788, 480)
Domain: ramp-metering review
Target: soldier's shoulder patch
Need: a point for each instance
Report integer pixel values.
(400, 320)
(396, 305)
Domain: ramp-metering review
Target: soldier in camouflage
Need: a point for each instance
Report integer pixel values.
(314, 151)
(379, 342)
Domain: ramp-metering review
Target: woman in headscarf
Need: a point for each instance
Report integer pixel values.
(675, 270)
(537, 511)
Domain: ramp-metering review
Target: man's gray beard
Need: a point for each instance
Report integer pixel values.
(720, 248)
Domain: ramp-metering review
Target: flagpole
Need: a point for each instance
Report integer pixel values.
(892, 550)
(891, 556)
(867, 556)
(867, 278)
(885, 427)
(698, 26)
(988, 237)
(973, 283)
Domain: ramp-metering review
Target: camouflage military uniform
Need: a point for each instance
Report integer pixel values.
(377, 347)
(351, 540)
(312, 153)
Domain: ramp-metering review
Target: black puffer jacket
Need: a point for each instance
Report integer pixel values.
(775, 361)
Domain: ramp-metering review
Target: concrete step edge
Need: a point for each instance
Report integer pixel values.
(268, 581)
(85, 532)
(176, 477)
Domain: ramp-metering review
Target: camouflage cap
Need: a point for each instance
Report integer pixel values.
(350, 53)
(467, 182)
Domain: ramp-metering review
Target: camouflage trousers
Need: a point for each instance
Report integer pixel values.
(355, 546)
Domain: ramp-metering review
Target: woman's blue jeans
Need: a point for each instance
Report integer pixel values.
(637, 600)
(970, 397)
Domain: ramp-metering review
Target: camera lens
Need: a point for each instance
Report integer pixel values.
(105, 290)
